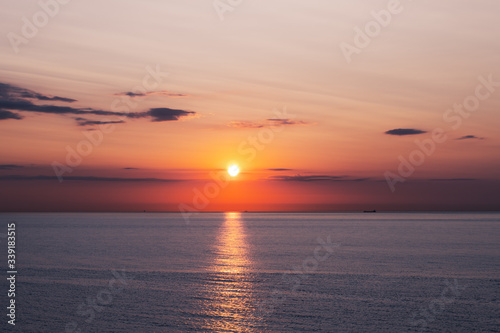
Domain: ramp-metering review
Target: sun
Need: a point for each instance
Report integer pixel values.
(233, 170)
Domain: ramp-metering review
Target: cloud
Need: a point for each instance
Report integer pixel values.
(267, 122)
(86, 122)
(130, 168)
(451, 179)
(15, 98)
(8, 90)
(150, 93)
(166, 114)
(468, 137)
(277, 122)
(299, 178)
(24, 105)
(10, 166)
(9, 115)
(244, 124)
(405, 131)
(89, 178)
(316, 178)
(279, 169)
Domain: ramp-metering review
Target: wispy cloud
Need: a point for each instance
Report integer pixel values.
(277, 122)
(405, 131)
(151, 93)
(245, 124)
(15, 99)
(330, 178)
(452, 179)
(11, 91)
(469, 137)
(10, 166)
(86, 122)
(9, 115)
(279, 169)
(166, 114)
(89, 178)
(267, 122)
(315, 178)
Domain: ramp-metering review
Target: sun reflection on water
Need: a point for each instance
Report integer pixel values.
(230, 306)
(232, 251)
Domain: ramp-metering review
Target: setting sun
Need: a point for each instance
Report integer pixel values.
(233, 170)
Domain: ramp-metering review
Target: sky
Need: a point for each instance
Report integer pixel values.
(323, 105)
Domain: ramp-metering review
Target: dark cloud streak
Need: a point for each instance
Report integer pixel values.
(10, 166)
(268, 122)
(9, 115)
(11, 91)
(86, 122)
(314, 178)
(277, 122)
(15, 98)
(166, 114)
(452, 179)
(469, 137)
(405, 131)
(151, 93)
(88, 178)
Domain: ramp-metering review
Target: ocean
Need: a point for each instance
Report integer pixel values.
(254, 272)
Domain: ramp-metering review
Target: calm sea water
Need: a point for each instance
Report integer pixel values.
(256, 272)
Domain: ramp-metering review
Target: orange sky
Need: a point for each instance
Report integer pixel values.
(270, 88)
